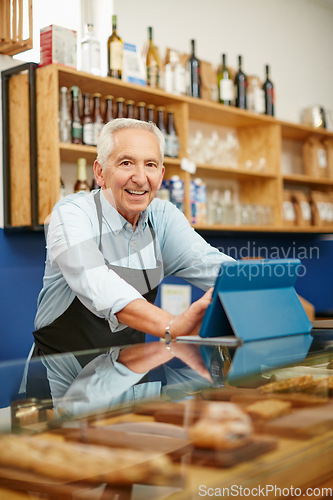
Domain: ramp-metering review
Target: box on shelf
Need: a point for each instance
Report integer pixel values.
(288, 209)
(58, 45)
(315, 158)
(328, 143)
(302, 208)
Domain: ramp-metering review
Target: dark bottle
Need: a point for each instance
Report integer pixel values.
(108, 112)
(120, 112)
(193, 74)
(173, 141)
(142, 111)
(115, 52)
(130, 109)
(225, 84)
(87, 122)
(97, 116)
(240, 86)
(62, 189)
(81, 177)
(151, 113)
(161, 119)
(268, 89)
(76, 122)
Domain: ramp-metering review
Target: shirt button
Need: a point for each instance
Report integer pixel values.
(128, 225)
(132, 244)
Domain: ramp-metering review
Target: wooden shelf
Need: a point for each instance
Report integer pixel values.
(263, 229)
(307, 180)
(232, 172)
(259, 136)
(70, 153)
(298, 132)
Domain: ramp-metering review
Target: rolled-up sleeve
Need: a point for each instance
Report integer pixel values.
(186, 254)
(73, 249)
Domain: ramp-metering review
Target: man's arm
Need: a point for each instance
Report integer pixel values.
(149, 318)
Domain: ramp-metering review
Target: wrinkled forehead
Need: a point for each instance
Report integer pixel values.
(136, 141)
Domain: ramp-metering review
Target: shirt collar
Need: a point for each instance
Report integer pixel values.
(116, 221)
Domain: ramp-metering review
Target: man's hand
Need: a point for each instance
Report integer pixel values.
(191, 356)
(189, 322)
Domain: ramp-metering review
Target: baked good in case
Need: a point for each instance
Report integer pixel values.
(220, 435)
(268, 408)
(222, 425)
(295, 383)
(69, 461)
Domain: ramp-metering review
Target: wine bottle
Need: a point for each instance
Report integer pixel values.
(173, 141)
(115, 52)
(193, 74)
(225, 84)
(64, 118)
(268, 89)
(90, 51)
(161, 125)
(62, 189)
(76, 128)
(97, 116)
(152, 62)
(129, 108)
(142, 111)
(81, 178)
(87, 122)
(151, 113)
(240, 86)
(108, 113)
(120, 107)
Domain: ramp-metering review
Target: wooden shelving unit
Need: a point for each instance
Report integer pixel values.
(258, 136)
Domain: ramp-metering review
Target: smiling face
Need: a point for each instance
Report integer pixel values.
(133, 172)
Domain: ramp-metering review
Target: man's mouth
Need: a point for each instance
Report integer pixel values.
(135, 192)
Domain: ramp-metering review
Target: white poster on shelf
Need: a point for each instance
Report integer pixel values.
(175, 298)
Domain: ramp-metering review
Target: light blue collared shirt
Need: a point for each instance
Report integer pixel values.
(75, 266)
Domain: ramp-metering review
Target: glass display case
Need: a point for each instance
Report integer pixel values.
(215, 418)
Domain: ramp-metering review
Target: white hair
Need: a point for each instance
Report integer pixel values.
(105, 140)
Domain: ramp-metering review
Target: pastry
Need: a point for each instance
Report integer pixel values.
(69, 461)
(219, 435)
(268, 408)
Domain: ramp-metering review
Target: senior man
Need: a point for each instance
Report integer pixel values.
(108, 250)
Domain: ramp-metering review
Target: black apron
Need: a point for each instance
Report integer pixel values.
(78, 329)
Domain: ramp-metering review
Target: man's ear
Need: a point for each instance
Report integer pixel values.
(99, 173)
(163, 172)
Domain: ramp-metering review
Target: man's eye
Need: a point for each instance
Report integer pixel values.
(126, 163)
(152, 165)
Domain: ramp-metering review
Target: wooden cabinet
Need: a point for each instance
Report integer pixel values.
(260, 138)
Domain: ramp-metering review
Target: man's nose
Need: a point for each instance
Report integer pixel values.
(139, 175)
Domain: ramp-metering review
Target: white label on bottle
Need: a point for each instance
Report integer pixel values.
(116, 55)
(306, 210)
(322, 158)
(179, 79)
(226, 90)
(89, 134)
(188, 165)
(259, 100)
(172, 148)
(97, 130)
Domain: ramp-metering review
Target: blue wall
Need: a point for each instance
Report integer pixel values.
(22, 257)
